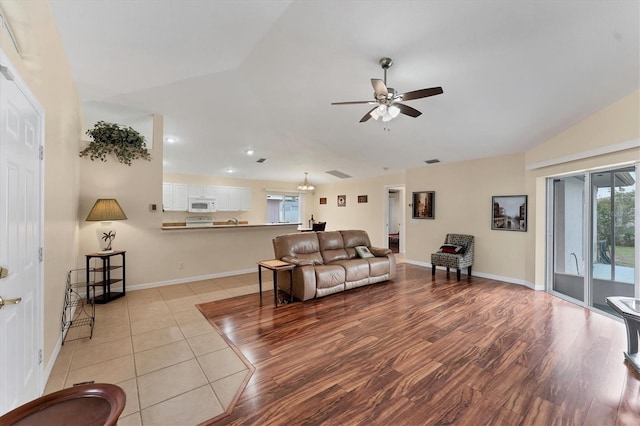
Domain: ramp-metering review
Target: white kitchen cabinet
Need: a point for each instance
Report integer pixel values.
(210, 191)
(206, 191)
(175, 196)
(233, 199)
(223, 198)
(245, 199)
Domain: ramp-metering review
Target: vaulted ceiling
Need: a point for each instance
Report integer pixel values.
(260, 74)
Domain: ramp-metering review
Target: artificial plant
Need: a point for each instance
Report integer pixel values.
(122, 141)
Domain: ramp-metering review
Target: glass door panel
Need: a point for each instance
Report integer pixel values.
(568, 240)
(613, 235)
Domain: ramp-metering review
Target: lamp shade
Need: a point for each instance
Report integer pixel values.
(106, 210)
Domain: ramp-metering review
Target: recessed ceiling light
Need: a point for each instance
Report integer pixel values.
(249, 151)
(169, 140)
(229, 170)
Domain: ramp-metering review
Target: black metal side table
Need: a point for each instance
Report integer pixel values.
(105, 269)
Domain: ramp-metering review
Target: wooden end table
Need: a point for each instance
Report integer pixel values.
(276, 266)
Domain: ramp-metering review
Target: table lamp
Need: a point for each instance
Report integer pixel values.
(106, 210)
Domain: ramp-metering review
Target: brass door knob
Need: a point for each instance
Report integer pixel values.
(9, 301)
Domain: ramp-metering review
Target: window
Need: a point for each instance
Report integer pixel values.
(282, 208)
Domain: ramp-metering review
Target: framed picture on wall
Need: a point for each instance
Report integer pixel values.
(362, 198)
(509, 213)
(342, 200)
(423, 205)
(323, 200)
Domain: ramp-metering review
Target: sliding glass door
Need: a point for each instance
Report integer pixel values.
(613, 195)
(592, 228)
(568, 233)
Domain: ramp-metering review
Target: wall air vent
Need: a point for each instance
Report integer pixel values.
(338, 174)
(261, 160)
(432, 161)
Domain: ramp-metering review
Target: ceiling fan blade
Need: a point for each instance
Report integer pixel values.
(354, 102)
(380, 88)
(424, 93)
(367, 116)
(407, 110)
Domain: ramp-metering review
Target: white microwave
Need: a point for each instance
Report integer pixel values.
(202, 204)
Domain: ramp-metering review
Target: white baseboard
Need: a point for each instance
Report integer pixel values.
(49, 367)
(184, 280)
(481, 275)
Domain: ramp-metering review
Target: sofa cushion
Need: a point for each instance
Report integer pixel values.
(353, 239)
(378, 266)
(303, 246)
(331, 246)
(328, 276)
(355, 269)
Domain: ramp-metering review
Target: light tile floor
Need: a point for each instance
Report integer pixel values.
(156, 345)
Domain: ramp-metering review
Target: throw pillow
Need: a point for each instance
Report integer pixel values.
(364, 252)
(452, 249)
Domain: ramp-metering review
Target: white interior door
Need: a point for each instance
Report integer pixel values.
(20, 241)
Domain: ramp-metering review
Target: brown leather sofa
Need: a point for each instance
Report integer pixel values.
(327, 262)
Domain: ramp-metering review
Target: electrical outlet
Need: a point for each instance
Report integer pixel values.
(181, 265)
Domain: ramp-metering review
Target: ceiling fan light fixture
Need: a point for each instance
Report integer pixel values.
(306, 186)
(394, 111)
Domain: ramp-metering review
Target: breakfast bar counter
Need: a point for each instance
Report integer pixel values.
(181, 226)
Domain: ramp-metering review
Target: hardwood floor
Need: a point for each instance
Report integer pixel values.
(423, 351)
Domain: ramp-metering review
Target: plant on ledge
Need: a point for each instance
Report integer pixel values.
(110, 138)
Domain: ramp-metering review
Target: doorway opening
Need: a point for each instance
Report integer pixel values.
(394, 218)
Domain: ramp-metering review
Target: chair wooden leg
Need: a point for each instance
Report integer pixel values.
(458, 273)
(433, 269)
(469, 271)
(447, 271)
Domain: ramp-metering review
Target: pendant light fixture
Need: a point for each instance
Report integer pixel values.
(306, 186)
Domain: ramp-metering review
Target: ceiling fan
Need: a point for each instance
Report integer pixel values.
(387, 101)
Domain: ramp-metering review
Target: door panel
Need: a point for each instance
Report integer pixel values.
(20, 239)
(613, 218)
(568, 241)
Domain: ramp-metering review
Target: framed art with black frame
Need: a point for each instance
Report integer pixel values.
(509, 213)
(424, 205)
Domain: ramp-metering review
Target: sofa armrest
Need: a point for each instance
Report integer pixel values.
(296, 261)
(379, 251)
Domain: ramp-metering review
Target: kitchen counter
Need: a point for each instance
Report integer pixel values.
(223, 225)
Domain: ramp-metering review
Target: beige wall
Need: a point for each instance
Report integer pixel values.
(156, 257)
(368, 216)
(45, 70)
(463, 192)
(608, 138)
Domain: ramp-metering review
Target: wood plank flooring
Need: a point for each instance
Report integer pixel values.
(423, 351)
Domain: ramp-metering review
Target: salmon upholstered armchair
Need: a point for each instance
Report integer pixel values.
(456, 252)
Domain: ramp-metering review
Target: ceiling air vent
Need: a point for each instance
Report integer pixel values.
(432, 161)
(338, 174)
(261, 160)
